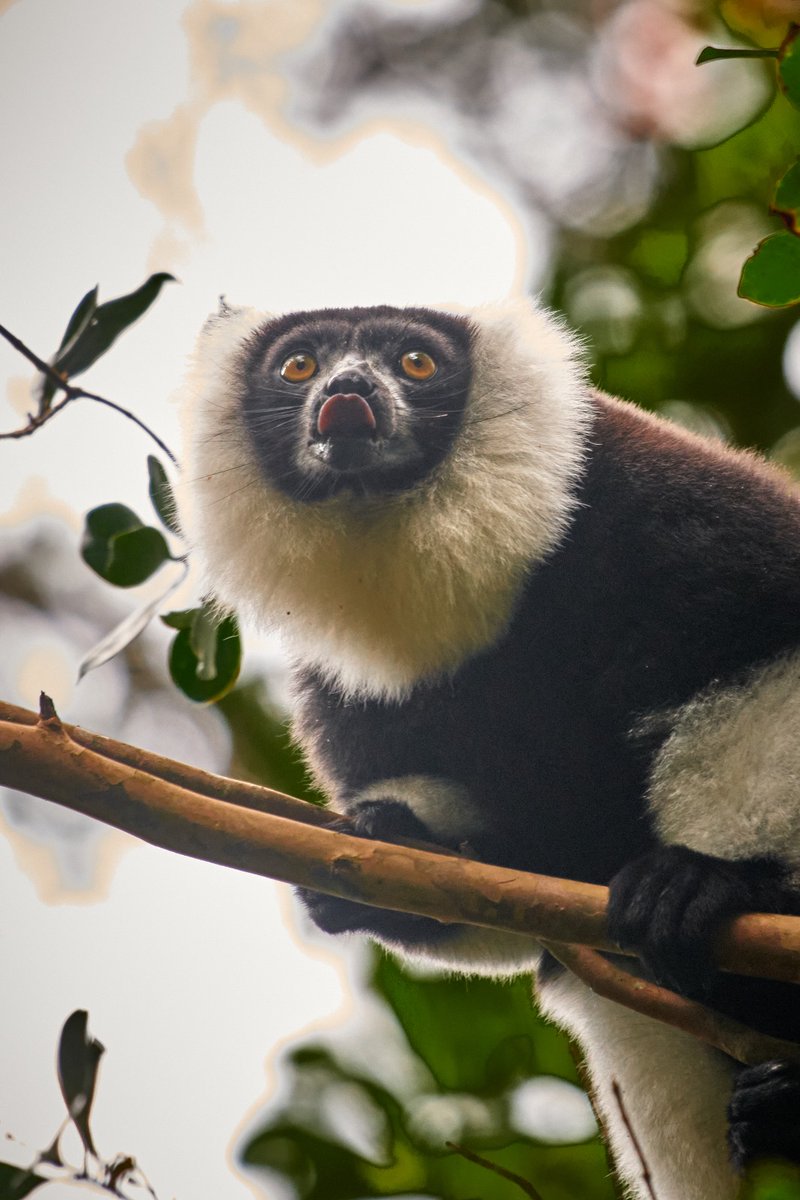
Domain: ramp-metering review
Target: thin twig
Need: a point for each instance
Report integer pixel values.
(525, 1184)
(613, 983)
(37, 420)
(646, 1176)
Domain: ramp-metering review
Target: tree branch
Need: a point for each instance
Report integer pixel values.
(37, 420)
(255, 829)
(613, 983)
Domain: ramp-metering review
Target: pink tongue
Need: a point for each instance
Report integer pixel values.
(347, 414)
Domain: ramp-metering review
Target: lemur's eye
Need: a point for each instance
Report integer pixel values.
(418, 365)
(298, 368)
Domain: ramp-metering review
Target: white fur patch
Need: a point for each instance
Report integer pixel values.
(493, 953)
(727, 780)
(445, 807)
(380, 594)
(675, 1091)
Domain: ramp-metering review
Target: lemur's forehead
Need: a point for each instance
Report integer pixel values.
(380, 331)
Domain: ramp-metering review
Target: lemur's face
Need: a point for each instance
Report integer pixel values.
(369, 400)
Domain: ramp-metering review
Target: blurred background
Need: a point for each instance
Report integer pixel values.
(291, 155)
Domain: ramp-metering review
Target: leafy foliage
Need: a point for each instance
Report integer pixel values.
(17, 1182)
(92, 330)
(120, 547)
(771, 275)
(341, 1136)
(162, 496)
(206, 653)
(77, 1061)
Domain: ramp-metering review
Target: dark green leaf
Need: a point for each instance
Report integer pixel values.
(789, 66)
(16, 1182)
(101, 525)
(161, 495)
(78, 1059)
(80, 317)
(120, 548)
(135, 556)
(75, 326)
(714, 53)
(108, 321)
(787, 197)
(771, 275)
(184, 664)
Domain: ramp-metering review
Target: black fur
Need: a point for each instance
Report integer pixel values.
(681, 570)
(764, 1114)
(673, 575)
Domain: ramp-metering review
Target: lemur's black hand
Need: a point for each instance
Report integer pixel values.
(386, 821)
(669, 905)
(764, 1114)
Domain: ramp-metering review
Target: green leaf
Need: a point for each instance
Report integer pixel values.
(16, 1182)
(161, 495)
(185, 664)
(108, 519)
(787, 197)
(771, 275)
(789, 66)
(78, 1059)
(120, 548)
(715, 53)
(107, 322)
(80, 318)
(767, 1180)
(461, 1029)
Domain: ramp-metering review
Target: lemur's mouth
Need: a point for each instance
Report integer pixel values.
(346, 415)
(345, 433)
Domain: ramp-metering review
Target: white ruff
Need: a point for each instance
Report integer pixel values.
(381, 593)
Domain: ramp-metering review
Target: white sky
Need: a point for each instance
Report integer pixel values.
(188, 972)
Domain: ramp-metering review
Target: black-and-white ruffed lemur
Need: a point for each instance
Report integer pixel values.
(533, 619)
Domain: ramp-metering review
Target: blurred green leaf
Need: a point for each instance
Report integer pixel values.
(660, 254)
(325, 1161)
(161, 495)
(16, 1182)
(120, 548)
(771, 1181)
(185, 664)
(789, 66)
(771, 275)
(78, 1059)
(787, 197)
(459, 1028)
(262, 746)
